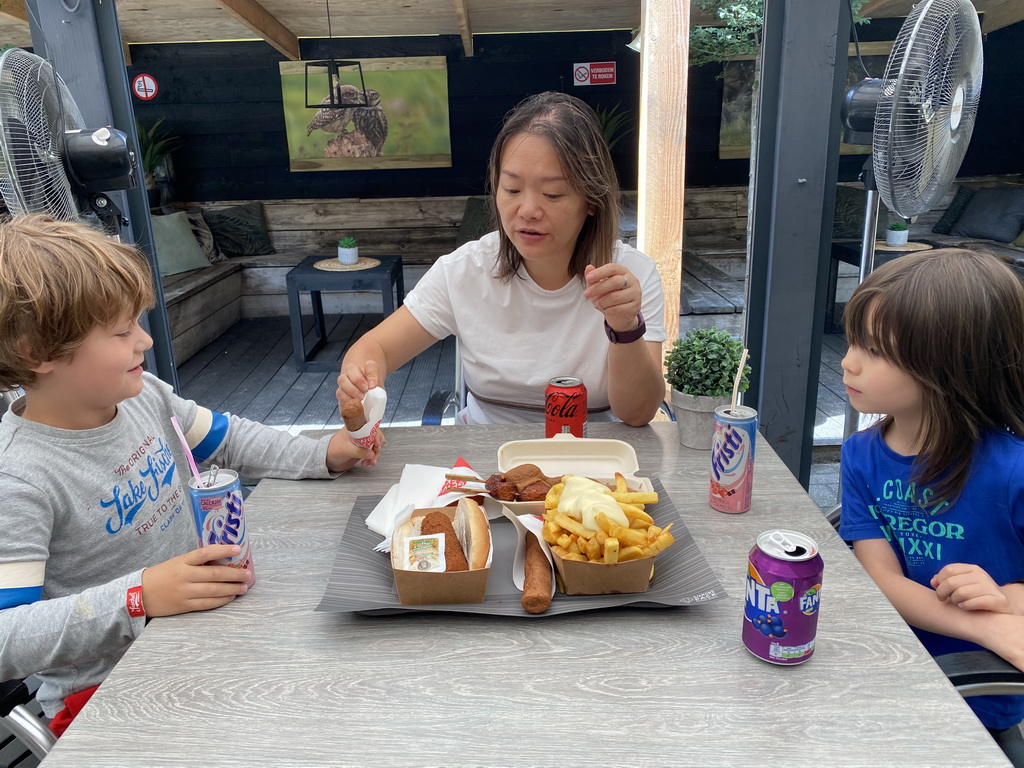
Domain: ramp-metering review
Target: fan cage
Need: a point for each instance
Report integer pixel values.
(36, 109)
(928, 105)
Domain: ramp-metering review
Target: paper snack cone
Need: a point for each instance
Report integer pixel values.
(374, 403)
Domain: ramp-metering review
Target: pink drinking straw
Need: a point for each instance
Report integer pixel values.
(188, 452)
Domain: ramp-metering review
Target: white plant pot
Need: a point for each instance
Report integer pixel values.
(896, 237)
(348, 255)
(695, 418)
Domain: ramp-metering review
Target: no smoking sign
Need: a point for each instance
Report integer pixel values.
(144, 87)
(594, 73)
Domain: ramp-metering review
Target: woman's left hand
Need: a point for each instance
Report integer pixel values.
(616, 293)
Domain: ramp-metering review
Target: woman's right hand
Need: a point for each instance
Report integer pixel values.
(185, 583)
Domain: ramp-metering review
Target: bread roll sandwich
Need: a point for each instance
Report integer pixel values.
(467, 540)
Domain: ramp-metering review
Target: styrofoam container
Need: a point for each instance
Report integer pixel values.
(566, 454)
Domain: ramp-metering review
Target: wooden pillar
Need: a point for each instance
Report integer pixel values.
(664, 52)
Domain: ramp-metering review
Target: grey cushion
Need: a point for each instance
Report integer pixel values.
(953, 213)
(994, 213)
(176, 248)
(240, 230)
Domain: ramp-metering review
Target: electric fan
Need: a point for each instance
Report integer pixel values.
(52, 163)
(918, 118)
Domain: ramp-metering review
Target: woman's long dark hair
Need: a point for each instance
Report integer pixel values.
(953, 320)
(574, 132)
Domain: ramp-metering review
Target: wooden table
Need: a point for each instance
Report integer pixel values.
(386, 277)
(265, 681)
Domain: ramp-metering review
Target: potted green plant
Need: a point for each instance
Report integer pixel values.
(701, 369)
(348, 250)
(154, 155)
(897, 234)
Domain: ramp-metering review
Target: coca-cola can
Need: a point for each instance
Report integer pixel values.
(732, 458)
(565, 407)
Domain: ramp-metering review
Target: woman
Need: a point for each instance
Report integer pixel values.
(551, 293)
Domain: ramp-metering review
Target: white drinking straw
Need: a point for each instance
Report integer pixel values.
(188, 452)
(736, 382)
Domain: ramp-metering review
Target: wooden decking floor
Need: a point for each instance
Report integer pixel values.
(250, 371)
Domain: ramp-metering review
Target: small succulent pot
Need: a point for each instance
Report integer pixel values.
(348, 250)
(897, 234)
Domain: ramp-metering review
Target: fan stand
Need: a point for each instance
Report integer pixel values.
(106, 211)
(867, 263)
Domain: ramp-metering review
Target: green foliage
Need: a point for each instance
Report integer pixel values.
(899, 226)
(154, 145)
(704, 362)
(614, 124)
(740, 33)
(347, 242)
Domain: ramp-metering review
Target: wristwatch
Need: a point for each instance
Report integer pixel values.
(625, 337)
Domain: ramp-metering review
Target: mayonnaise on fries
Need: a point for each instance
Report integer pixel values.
(583, 498)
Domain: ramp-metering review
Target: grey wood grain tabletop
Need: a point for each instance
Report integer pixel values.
(266, 681)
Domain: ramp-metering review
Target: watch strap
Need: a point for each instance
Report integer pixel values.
(626, 337)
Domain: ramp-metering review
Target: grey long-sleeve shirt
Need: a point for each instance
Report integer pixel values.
(83, 512)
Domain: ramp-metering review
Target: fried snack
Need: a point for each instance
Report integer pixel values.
(537, 579)
(454, 557)
(353, 415)
(582, 529)
(524, 482)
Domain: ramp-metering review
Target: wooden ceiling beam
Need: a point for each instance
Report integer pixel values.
(998, 15)
(465, 28)
(14, 9)
(264, 24)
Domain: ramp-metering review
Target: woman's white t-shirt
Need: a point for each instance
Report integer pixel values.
(517, 336)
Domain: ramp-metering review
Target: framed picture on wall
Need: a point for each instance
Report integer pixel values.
(405, 126)
(738, 94)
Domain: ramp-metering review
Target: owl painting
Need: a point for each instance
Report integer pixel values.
(336, 119)
(371, 122)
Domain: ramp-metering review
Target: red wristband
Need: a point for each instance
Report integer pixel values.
(133, 601)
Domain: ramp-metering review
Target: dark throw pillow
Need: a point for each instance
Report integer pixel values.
(204, 236)
(848, 219)
(476, 221)
(956, 209)
(994, 213)
(240, 230)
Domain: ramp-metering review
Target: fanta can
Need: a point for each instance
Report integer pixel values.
(780, 618)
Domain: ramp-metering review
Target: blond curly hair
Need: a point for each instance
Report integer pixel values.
(58, 281)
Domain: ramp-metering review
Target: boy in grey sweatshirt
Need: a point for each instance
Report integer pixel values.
(98, 532)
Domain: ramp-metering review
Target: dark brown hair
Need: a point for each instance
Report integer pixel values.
(953, 320)
(574, 133)
(58, 281)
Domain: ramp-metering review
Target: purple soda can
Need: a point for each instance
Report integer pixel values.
(219, 516)
(780, 617)
(732, 458)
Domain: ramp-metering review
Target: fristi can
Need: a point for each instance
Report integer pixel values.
(219, 515)
(780, 618)
(565, 407)
(732, 458)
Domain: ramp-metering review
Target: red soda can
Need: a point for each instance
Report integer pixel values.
(732, 458)
(783, 593)
(565, 407)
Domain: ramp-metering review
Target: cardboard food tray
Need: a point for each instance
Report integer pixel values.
(361, 579)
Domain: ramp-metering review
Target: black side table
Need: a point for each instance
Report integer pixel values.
(306, 277)
(848, 252)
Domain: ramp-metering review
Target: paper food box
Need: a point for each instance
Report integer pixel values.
(427, 587)
(598, 460)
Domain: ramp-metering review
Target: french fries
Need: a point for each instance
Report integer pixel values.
(612, 542)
